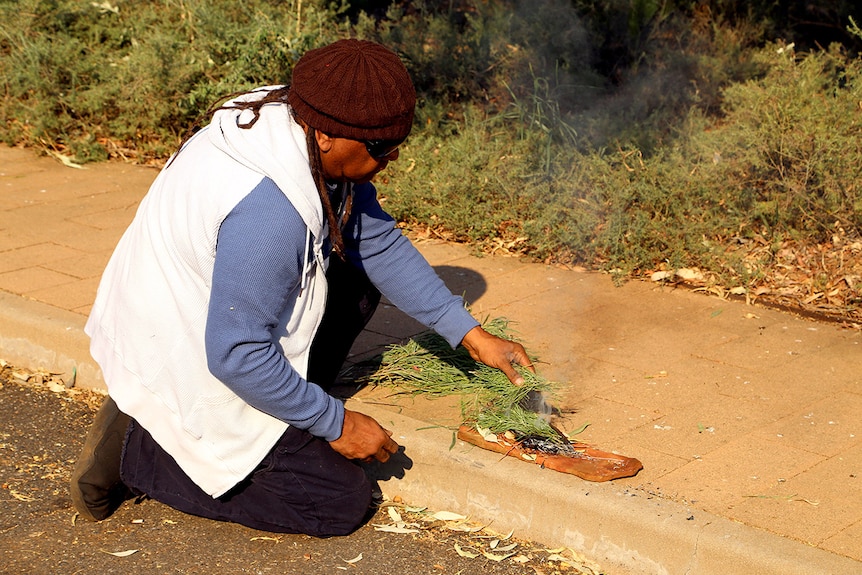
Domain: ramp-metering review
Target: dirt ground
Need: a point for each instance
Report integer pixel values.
(43, 428)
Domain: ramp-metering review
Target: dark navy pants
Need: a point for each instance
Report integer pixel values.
(302, 485)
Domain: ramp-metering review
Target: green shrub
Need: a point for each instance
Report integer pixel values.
(782, 161)
(619, 135)
(97, 79)
(788, 148)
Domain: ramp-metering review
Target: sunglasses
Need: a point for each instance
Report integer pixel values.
(379, 149)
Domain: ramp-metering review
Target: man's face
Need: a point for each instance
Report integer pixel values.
(347, 160)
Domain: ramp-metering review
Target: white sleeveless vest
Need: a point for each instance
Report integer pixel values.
(148, 320)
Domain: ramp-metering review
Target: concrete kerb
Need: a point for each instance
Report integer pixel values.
(40, 336)
(625, 531)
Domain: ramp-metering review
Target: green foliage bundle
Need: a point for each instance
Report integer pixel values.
(428, 365)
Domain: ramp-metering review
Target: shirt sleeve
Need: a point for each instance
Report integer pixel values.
(258, 265)
(399, 271)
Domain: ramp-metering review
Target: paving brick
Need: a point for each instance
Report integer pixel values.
(69, 296)
(27, 280)
(846, 542)
(42, 254)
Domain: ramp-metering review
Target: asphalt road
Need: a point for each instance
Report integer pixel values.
(42, 429)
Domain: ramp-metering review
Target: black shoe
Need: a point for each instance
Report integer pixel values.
(96, 488)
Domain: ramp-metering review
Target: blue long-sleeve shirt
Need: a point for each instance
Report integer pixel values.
(259, 258)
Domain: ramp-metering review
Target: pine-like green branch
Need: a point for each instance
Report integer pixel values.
(428, 365)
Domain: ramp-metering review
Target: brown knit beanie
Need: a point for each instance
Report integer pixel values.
(354, 89)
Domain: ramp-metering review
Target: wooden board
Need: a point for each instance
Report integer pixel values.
(586, 462)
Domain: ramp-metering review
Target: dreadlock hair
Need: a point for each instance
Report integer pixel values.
(279, 96)
(336, 238)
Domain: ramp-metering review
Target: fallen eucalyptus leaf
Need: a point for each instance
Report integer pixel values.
(581, 429)
(354, 560)
(464, 528)
(67, 161)
(394, 515)
(467, 554)
(121, 553)
(448, 516)
(393, 529)
(487, 434)
(689, 274)
(55, 387)
(495, 557)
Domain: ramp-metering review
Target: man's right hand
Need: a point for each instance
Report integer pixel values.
(363, 438)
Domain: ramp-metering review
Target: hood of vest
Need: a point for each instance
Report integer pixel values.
(268, 148)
